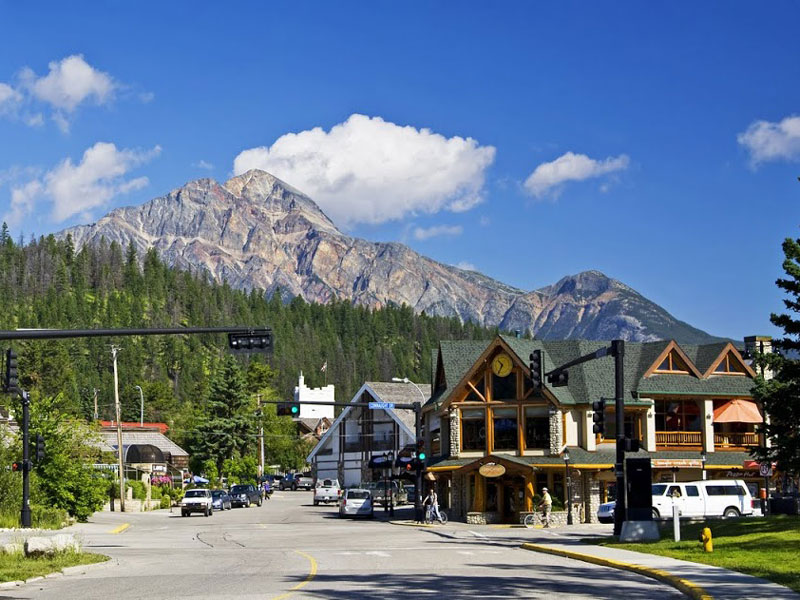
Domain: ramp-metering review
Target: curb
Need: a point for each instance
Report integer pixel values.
(692, 590)
(409, 524)
(76, 570)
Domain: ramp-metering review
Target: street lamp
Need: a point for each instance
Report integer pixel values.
(418, 516)
(703, 458)
(569, 486)
(407, 380)
(141, 405)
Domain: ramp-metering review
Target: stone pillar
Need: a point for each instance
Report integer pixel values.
(649, 429)
(591, 498)
(555, 431)
(707, 420)
(455, 442)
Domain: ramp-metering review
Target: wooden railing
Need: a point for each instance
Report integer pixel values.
(679, 438)
(738, 440)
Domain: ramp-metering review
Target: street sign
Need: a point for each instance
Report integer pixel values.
(765, 470)
(374, 405)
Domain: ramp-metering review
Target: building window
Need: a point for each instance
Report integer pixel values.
(504, 388)
(672, 363)
(537, 427)
(541, 482)
(558, 486)
(436, 442)
(677, 415)
(729, 365)
(480, 395)
(632, 429)
(505, 428)
(473, 429)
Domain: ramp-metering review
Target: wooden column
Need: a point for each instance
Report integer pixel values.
(528, 507)
(479, 501)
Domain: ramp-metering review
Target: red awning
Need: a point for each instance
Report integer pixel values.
(738, 411)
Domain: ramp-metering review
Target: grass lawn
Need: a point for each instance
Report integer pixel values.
(764, 547)
(14, 567)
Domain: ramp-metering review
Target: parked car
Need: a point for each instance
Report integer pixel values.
(245, 495)
(327, 490)
(296, 481)
(197, 500)
(274, 481)
(695, 499)
(220, 500)
(356, 502)
(411, 493)
(378, 489)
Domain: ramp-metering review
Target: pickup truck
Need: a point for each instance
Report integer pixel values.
(378, 491)
(327, 490)
(245, 495)
(198, 500)
(294, 481)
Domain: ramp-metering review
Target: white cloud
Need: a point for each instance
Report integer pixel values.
(78, 188)
(367, 170)
(549, 176)
(36, 120)
(767, 141)
(9, 98)
(426, 233)
(202, 164)
(70, 82)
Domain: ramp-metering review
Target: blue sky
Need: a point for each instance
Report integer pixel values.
(656, 142)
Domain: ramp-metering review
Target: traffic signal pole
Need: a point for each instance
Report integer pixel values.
(418, 475)
(25, 517)
(620, 512)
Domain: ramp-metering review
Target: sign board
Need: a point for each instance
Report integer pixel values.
(374, 405)
(684, 463)
(159, 468)
(492, 470)
(765, 470)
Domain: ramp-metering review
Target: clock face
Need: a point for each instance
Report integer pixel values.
(501, 365)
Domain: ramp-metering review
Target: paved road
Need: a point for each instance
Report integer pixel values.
(291, 549)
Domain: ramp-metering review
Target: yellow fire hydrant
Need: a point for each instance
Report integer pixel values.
(705, 537)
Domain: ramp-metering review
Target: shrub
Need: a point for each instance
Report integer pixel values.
(139, 489)
(165, 501)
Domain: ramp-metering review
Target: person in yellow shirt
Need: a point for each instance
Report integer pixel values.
(546, 505)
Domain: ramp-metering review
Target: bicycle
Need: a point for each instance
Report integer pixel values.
(530, 519)
(429, 519)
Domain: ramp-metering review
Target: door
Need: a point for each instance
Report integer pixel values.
(693, 503)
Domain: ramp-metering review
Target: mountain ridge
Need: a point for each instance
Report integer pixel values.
(256, 231)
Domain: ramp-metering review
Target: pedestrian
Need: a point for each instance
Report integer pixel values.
(546, 505)
(432, 502)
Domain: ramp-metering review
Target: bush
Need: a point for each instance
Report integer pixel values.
(139, 489)
(155, 492)
(165, 501)
(48, 517)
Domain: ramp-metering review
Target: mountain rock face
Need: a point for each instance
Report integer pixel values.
(255, 231)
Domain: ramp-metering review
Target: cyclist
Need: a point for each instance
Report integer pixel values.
(432, 502)
(547, 505)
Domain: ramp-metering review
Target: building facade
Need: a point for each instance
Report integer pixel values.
(310, 398)
(495, 442)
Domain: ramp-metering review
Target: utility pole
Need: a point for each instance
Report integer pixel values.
(114, 351)
(141, 405)
(26, 459)
(96, 415)
(260, 438)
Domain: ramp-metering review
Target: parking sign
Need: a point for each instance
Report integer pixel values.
(765, 470)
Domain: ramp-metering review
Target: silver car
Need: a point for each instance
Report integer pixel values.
(356, 502)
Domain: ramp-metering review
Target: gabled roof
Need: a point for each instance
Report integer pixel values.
(153, 438)
(727, 349)
(595, 379)
(398, 393)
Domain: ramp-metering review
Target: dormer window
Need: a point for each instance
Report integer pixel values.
(729, 365)
(672, 363)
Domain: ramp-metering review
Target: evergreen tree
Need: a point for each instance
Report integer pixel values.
(780, 395)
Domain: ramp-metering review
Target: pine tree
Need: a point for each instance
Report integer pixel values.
(780, 395)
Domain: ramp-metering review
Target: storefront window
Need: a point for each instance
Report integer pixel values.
(631, 425)
(537, 427)
(504, 388)
(505, 428)
(558, 486)
(480, 395)
(473, 429)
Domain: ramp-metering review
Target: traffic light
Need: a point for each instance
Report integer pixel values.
(404, 462)
(288, 409)
(16, 466)
(599, 416)
(39, 447)
(12, 375)
(421, 451)
(536, 369)
(258, 340)
(559, 378)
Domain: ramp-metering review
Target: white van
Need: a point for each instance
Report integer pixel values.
(708, 498)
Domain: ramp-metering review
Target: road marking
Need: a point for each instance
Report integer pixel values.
(378, 553)
(479, 535)
(121, 528)
(312, 573)
(466, 552)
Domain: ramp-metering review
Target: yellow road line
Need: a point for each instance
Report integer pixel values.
(312, 573)
(121, 528)
(687, 587)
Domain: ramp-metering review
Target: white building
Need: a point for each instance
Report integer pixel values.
(359, 433)
(309, 396)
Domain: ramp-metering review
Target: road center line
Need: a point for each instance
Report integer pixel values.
(121, 528)
(312, 573)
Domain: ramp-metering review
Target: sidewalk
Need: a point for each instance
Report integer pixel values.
(694, 579)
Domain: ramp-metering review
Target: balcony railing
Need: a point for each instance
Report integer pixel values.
(679, 438)
(736, 440)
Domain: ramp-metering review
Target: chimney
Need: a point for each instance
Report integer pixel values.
(761, 344)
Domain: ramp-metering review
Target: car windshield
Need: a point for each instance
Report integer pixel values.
(195, 494)
(357, 495)
(659, 488)
(328, 483)
(238, 489)
(218, 494)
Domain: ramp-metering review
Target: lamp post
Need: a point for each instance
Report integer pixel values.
(141, 405)
(418, 516)
(703, 458)
(569, 487)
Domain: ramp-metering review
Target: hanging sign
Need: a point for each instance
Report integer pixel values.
(492, 470)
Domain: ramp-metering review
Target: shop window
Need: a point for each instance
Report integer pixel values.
(436, 442)
(631, 425)
(541, 482)
(491, 497)
(479, 385)
(473, 429)
(505, 428)
(504, 388)
(537, 427)
(558, 486)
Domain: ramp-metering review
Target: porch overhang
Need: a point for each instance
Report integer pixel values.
(516, 467)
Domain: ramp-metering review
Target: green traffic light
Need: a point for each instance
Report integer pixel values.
(295, 409)
(421, 456)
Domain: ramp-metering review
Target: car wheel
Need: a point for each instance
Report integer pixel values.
(656, 516)
(294, 487)
(316, 502)
(260, 501)
(184, 513)
(731, 512)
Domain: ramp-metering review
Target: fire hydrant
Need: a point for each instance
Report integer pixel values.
(705, 537)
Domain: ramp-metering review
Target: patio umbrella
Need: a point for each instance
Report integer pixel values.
(738, 411)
